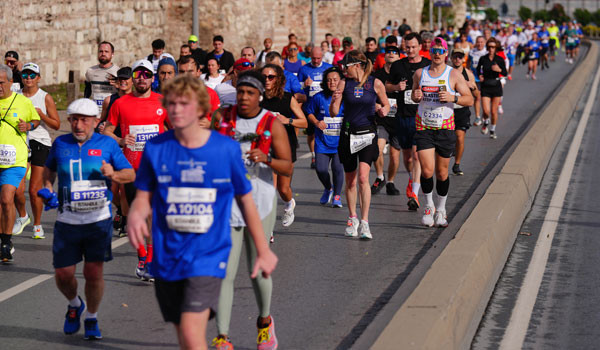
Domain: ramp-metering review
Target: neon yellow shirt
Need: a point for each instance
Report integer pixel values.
(553, 31)
(13, 143)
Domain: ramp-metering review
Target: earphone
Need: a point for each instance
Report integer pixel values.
(260, 98)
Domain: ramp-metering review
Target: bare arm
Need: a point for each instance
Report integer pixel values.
(48, 177)
(460, 84)
(282, 162)
(385, 103)
(318, 123)
(416, 95)
(51, 119)
(300, 97)
(300, 121)
(137, 227)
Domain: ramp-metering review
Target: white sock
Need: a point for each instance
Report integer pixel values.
(75, 302)
(486, 122)
(415, 188)
(429, 199)
(25, 217)
(478, 116)
(288, 205)
(380, 176)
(313, 154)
(91, 315)
(492, 127)
(390, 182)
(442, 203)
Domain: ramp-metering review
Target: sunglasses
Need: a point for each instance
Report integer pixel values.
(458, 55)
(293, 49)
(244, 64)
(142, 74)
(28, 75)
(491, 46)
(393, 52)
(269, 77)
(437, 51)
(11, 62)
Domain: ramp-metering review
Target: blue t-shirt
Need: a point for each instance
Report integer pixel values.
(292, 67)
(83, 192)
(544, 38)
(193, 190)
(326, 141)
(292, 84)
(314, 73)
(534, 49)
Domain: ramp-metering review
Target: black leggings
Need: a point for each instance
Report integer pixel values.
(322, 161)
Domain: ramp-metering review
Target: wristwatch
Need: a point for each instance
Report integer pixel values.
(32, 125)
(269, 159)
(290, 122)
(455, 99)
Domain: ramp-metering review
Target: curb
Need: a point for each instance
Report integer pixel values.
(444, 310)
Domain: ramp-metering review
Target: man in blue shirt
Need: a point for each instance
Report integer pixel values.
(85, 163)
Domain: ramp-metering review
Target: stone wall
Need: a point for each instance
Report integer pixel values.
(62, 35)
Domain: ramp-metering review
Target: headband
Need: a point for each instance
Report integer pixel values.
(252, 82)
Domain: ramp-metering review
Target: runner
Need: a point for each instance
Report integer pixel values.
(554, 39)
(11, 58)
(371, 49)
(489, 69)
(346, 47)
(292, 64)
(212, 77)
(185, 50)
(327, 135)
(265, 150)
(390, 41)
(224, 57)
(387, 130)
(292, 39)
(291, 81)
(434, 89)
(197, 52)
(288, 112)
(158, 48)
(476, 53)
(262, 55)
(187, 65)
(39, 144)
(327, 54)
(17, 117)
(358, 140)
(402, 72)
(97, 83)
(227, 90)
(544, 36)
(462, 43)
(141, 117)
(305, 55)
(86, 163)
(426, 39)
(462, 115)
(533, 55)
(571, 42)
(166, 70)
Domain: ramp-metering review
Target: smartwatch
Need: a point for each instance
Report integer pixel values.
(269, 159)
(32, 125)
(290, 122)
(455, 99)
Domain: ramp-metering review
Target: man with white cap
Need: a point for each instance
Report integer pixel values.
(85, 163)
(141, 117)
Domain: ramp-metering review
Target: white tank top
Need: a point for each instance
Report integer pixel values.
(40, 134)
(433, 113)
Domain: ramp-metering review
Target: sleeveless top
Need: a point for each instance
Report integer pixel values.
(283, 106)
(292, 67)
(40, 134)
(359, 103)
(433, 114)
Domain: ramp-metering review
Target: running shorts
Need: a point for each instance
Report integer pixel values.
(390, 135)
(12, 176)
(462, 118)
(72, 242)
(368, 155)
(493, 91)
(193, 294)
(406, 132)
(443, 140)
(39, 153)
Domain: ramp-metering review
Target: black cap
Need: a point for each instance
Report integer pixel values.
(12, 54)
(392, 49)
(124, 72)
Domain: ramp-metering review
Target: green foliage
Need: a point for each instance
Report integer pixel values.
(525, 13)
(544, 15)
(447, 15)
(596, 17)
(557, 13)
(59, 94)
(491, 14)
(583, 16)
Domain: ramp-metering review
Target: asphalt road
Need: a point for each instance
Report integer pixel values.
(566, 312)
(329, 291)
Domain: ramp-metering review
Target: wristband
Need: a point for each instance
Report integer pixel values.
(455, 99)
(32, 125)
(269, 159)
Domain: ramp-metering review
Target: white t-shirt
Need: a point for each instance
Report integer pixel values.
(212, 82)
(328, 57)
(39, 134)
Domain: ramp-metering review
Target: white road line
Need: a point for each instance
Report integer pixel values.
(305, 156)
(32, 282)
(521, 314)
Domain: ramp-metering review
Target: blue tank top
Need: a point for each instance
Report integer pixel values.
(292, 67)
(359, 103)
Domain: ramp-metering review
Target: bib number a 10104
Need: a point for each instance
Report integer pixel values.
(190, 209)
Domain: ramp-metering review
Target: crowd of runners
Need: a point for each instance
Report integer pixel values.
(188, 156)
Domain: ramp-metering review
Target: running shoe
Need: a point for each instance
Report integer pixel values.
(377, 185)
(73, 318)
(326, 197)
(484, 128)
(365, 231)
(272, 239)
(440, 219)
(509, 77)
(456, 170)
(313, 163)
(288, 215)
(117, 221)
(500, 109)
(6, 252)
(147, 276)
(20, 224)
(38, 232)
(386, 148)
(533, 77)
(139, 270)
(267, 340)
(477, 121)
(413, 202)
(352, 227)
(427, 219)
(527, 76)
(92, 331)
(222, 343)
(337, 202)
(409, 190)
(493, 135)
(391, 190)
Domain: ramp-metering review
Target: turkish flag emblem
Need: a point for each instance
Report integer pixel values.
(95, 152)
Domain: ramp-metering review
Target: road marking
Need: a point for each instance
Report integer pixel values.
(521, 314)
(305, 156)
(32, 282)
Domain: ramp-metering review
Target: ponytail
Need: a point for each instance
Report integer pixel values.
(368, 70)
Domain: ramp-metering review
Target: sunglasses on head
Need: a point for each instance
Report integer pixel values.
(142, 73)
(28, 75)
(348, 65)
(437, 51)
(245, 64)
(270, 76)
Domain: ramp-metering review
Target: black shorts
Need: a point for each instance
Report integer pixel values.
(491, 91)
(367, 155)
(193, 294)
(443, 140)
(543, 51)
(130, 191)
(39, 153)
(310, 129)
(462, 118)
(406, 132)
(390, 135)
(73, 242)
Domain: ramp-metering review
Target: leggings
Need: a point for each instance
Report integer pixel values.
(263, 287)
(322, 161)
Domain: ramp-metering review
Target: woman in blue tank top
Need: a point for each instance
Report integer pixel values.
(358, 138)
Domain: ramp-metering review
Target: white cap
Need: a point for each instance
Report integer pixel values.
(83, 106)
(32, 67)
(142, 63)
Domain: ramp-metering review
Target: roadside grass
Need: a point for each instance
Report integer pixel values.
(59, 94)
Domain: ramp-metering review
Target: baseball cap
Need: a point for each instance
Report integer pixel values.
(167, 61)
(193, 38)
(335, 41)
(347, 39)
(142, 64)
(12, 54)
(444, 43)
(124, 72)
(83, 106)
(31, 67)
(243, 64)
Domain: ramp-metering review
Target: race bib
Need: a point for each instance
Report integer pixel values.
(8, 155)
(142, 134)
(315, 88)
(433, 118)
(88, 195)
(358, 142)
(334, 125)
(393, 108)
(407, 98)
(570, 40)
(190, 209)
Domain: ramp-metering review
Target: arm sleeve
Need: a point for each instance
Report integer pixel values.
(119, 162)
(145, 178)
(240, 182)
(51, 160)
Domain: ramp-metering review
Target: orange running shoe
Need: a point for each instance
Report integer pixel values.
(267, 340)
(221, 343)
(413, 202)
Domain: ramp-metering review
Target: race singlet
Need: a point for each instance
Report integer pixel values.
(142, 134)
(190, 209)
(8, 154)
(393, 108)
(407, 98)
(88, 195)
(334, 125)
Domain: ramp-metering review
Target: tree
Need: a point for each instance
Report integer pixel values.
(596, 17)
(525, 13)
(542, 15)
(558, 14)
(583, 16)
(491, 14)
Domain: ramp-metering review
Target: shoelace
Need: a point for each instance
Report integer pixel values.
(263, 335)
(218, 341)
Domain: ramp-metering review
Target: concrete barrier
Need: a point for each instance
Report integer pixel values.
(445, 309)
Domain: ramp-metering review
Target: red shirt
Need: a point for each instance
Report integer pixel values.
(380, 61)
(425, 53)
(144, 117)
(214, 102)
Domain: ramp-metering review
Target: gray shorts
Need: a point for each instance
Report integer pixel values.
(194, 294)
(391, 137)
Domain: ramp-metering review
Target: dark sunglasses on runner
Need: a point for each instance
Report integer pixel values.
(142, 73)
(28, 75)
(437, 51)
(270, 77)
